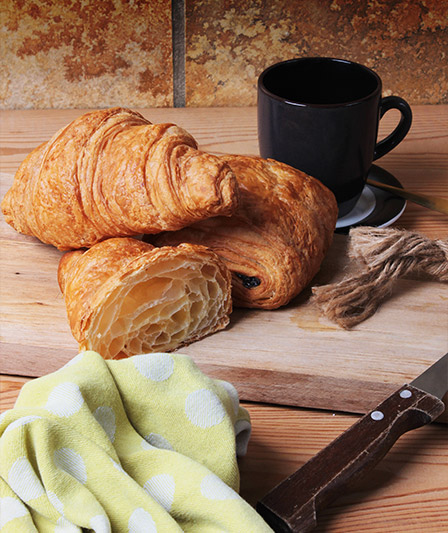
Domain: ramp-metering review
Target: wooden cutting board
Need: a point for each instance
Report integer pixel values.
(288, 356)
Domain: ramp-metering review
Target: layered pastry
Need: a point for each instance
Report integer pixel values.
(275, 241)
(125, 297)
(113, 173)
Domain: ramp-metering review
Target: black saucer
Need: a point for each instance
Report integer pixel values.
(375, 207)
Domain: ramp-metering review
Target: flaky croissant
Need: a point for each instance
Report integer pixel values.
(113, 173)
(278, 236)
(125, 297)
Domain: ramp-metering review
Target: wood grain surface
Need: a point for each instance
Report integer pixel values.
(289, 356)
(420, 162)
(407, 491)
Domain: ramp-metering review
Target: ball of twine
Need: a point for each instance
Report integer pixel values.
(385, 255)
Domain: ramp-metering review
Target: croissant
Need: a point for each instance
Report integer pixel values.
(113, 173)
(276, 240)
(125, 297)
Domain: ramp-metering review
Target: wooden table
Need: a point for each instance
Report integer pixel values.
(408, 491)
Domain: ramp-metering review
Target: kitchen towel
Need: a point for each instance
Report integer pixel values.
(143, 444)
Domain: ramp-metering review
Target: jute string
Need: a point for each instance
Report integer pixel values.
(385, 255)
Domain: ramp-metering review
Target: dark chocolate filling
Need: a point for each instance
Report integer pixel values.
(249, 282)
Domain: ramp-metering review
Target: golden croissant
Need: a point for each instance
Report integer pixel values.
(125, 297)
(276, 240)
(113, 173)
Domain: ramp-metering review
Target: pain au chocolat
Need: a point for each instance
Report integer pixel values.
(275, 241)
(125, 297)
(113, 173)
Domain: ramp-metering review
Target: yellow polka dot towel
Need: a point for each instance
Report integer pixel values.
(139, 445)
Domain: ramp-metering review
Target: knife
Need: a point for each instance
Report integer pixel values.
(292, 505)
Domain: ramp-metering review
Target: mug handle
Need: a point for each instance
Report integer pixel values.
(400, 132)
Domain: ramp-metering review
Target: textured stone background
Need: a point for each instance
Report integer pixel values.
(99, 53)
(230, 42)
(90, 53)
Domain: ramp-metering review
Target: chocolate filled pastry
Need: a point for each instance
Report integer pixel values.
(276, 240)
(125, 297)
(113, 173)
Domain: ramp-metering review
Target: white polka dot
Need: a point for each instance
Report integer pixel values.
(145, 445)
(214, 488)
(64, 526)
(105, 416)
(65, 399)
(243, 430)
(162, 488)
(204, 408)
(75, 360)
(100, 524)
(24, 481)
(233, 395)
(71, 462)
(10, 508)
(141, 522)
(55, 502)
(156, 440)
(155, 366)
(21, 422)
(118, 466)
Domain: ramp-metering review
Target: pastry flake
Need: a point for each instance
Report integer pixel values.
(125, 297)
(113, 173)
(276, 240)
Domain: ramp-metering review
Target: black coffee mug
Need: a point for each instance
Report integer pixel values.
(321, 115)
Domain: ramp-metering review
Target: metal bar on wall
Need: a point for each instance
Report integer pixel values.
(178, 32)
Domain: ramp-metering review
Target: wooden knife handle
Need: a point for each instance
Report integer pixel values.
(293, 504)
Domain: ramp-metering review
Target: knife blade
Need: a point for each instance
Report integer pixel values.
(292, 506)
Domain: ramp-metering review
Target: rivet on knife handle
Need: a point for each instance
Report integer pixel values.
(292, 505)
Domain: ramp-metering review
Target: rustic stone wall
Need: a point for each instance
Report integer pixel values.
(86, 53)
(156, 53)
